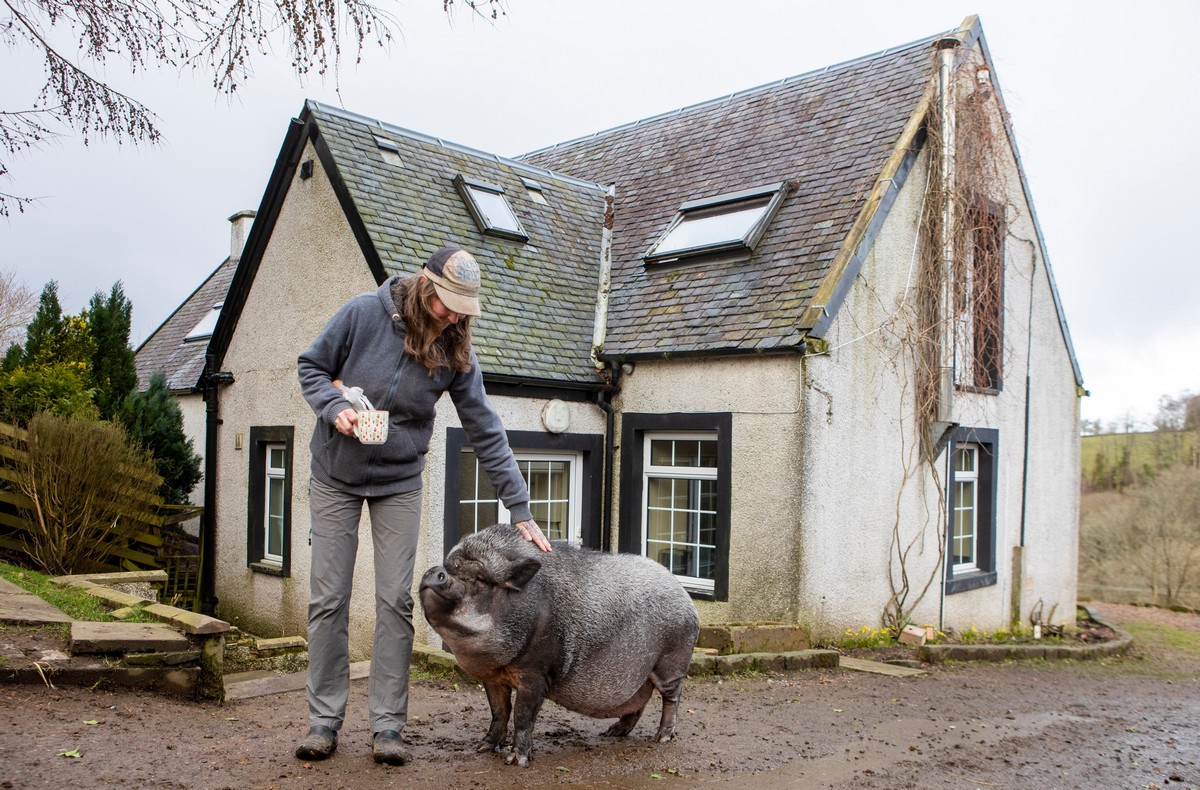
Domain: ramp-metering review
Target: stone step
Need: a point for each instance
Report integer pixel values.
(91, 638)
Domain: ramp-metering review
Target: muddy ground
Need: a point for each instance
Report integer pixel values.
(1132, 722)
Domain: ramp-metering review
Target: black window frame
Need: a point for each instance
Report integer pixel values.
(590, 446)
(986, 218)
(984, 574)
(260, 438)
(634, 428)
(464, 186)
(775, 193)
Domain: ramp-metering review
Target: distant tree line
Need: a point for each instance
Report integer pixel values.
(1140, 519)
(1124, 457)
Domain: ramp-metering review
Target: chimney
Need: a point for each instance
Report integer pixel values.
(239, 231)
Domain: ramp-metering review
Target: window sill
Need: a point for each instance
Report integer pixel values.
(970, 581)
(977, 390)
(269, 570)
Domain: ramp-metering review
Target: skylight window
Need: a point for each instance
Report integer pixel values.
(490, 209)
(389, 151)
(205, 326)
(731, 222)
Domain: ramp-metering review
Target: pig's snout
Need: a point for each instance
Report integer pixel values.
(436, 579)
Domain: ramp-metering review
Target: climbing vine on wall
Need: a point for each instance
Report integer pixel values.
(951, 340)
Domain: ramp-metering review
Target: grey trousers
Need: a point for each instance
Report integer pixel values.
(395, 525)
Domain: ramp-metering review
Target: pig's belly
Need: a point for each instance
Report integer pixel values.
(601, 690)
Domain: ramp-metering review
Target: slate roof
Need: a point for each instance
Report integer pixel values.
(828, 133)
(538, 296)
(165, 350)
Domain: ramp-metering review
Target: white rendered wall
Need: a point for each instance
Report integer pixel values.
(311, 267)
(861, 465)
(193, 410)
(763, 395)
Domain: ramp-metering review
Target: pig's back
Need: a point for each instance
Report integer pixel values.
(617, 617)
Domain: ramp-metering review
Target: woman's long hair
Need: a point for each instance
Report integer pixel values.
(426, 341)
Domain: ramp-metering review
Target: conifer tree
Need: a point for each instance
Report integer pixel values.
(153, 419)
(113, 368)
(43, 336)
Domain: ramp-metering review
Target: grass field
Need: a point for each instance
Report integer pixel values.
(1150, 450)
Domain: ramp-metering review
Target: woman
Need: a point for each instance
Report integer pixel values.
(404, 345)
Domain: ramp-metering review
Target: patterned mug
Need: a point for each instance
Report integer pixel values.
(372, 426)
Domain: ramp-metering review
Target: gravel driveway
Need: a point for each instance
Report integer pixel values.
(1131, 722)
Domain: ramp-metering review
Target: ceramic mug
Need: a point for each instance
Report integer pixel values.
(372, 426)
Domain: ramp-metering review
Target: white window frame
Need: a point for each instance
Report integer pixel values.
(574, 490)
(696, 473)
(274, 476)
(962, 508)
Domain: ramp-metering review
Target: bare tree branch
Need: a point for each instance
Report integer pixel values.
(219, 38)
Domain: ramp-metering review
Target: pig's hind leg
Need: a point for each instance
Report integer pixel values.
(635, 705)
(500, 700)
(669, 682)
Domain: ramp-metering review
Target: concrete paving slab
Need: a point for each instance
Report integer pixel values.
(88, 637)
(22, 607)
(277, 684)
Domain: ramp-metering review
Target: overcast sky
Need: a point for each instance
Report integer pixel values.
(1103, 97)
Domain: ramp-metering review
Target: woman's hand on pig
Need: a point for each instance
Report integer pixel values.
(533, 533)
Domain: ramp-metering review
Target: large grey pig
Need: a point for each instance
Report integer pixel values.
(595, 632)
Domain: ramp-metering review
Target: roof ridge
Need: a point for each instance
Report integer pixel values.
(449, 145)
(748, 91)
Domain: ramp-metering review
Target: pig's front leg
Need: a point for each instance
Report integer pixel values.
(530, 694)
(500, 699)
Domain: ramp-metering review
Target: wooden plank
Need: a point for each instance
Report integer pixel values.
(15, 498)
(10, 520)
(8, 451)
(879, 668)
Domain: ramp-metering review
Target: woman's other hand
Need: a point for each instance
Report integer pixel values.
(345, 422)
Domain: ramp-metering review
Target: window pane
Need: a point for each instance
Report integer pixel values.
(662, 452)
(687, 453)
(537, 475)
(679, 526)
(659, 492)
(560, 483)
(658, 525)
(708, 528)
(701, 228)
(467, 474)
(680, 453)
(275, 503)
(556, 521)
(275, 458)
(659, 552)
(495, 209)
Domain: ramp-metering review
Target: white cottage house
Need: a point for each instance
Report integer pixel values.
(801, 344)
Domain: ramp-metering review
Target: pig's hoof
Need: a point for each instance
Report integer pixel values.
(665, 737)
(488, 746)
(519, 760)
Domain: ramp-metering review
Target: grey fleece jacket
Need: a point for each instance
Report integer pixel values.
(363, 345)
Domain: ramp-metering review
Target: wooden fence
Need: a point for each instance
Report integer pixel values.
(158, 543)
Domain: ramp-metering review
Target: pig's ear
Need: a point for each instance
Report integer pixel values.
(523, 569)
